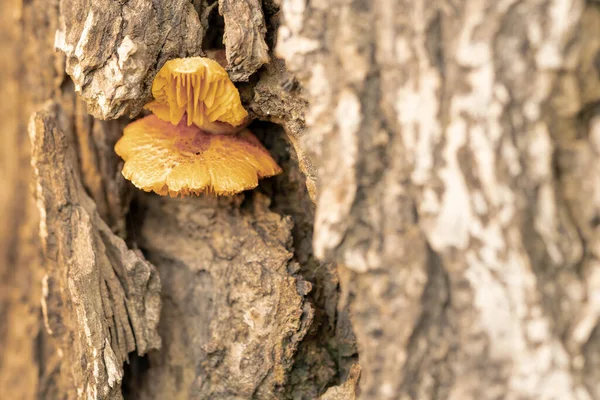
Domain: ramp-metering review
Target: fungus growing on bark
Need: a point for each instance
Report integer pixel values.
(200, 88)
(183, 160)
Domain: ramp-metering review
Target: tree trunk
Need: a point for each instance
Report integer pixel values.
(445, 154)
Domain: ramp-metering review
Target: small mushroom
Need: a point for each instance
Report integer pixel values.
(201, 89)
(184, 160)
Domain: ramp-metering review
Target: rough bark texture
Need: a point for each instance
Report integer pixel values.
(244, 37)
(347, 391)
(457, 175)
(277, 98)
(100, 300)
(451, 148)
(113, 49)
(227, 267)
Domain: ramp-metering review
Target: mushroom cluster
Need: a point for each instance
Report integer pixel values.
(196, 140)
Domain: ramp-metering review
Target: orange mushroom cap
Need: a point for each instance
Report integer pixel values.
(199, 87)
(183, 160)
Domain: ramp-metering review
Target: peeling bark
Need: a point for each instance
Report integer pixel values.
(244, 37)
(100, 300)
(114, 49)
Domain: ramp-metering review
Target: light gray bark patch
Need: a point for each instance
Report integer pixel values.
(114, 49)
(101, 300)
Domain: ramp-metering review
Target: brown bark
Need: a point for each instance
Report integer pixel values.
(244, 37)
(100, 300)
(456, 156)
(445, 154)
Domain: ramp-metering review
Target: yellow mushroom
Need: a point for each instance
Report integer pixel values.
(200, 88)
(183, 160)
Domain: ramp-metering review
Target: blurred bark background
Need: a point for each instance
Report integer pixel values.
(435, 233)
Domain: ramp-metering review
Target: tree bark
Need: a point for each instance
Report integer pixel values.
(445, 154)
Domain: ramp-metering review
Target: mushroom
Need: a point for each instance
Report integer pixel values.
(183, 159)
(200, 88)
(196, 141)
